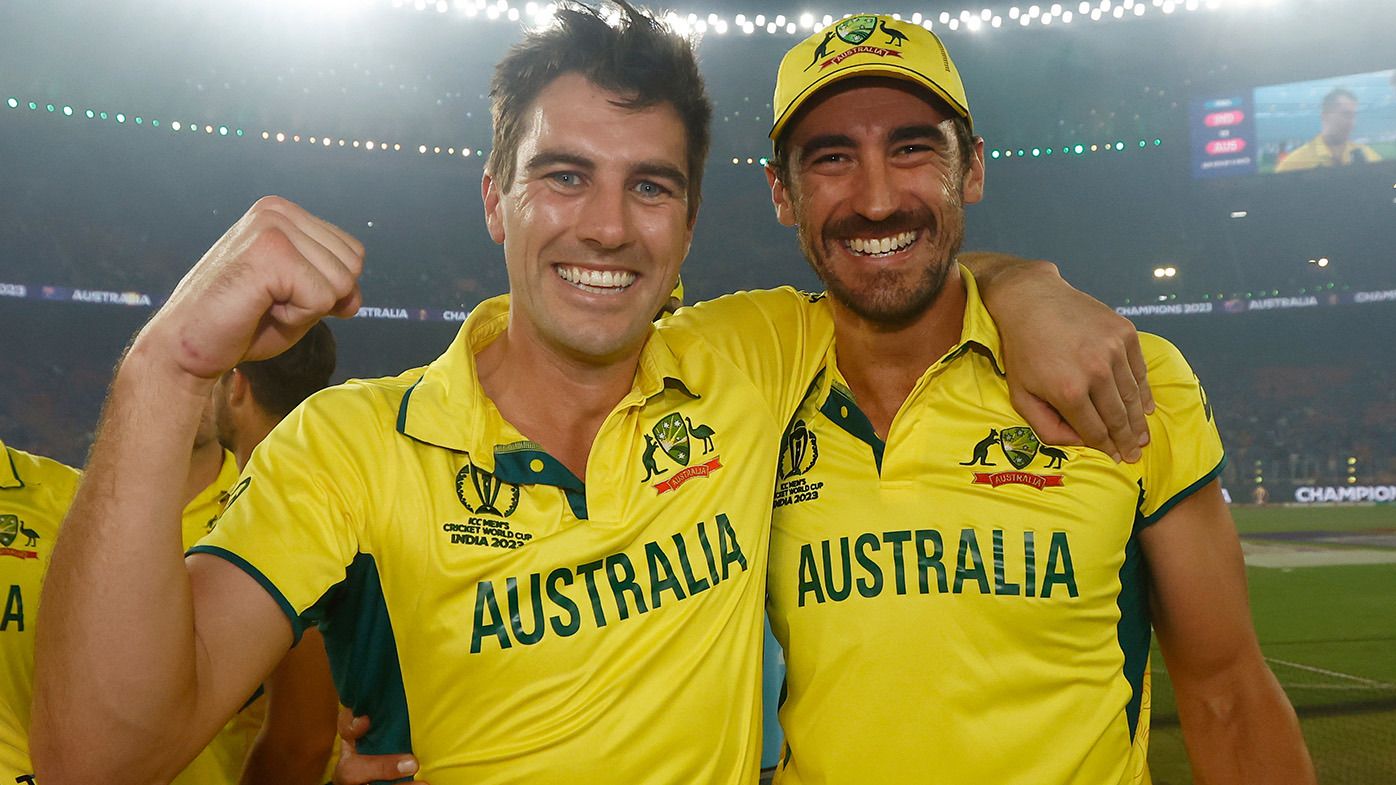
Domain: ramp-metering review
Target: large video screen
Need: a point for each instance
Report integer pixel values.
(1331, 123)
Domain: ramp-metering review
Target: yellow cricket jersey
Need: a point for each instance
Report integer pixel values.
(962, 603)
(222, 760)
(35, 494)
(1316, 154)
(500, 618)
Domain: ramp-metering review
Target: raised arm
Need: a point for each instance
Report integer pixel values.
(1237, 723)
(1075, 371)
(140, 655)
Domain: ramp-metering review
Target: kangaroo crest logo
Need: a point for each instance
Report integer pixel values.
(678, 437)
(9, 529)
(1019, 445)
(671, 433)
(799, 451)
(856, 29)
(485, 489)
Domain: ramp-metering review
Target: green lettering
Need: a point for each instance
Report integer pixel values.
(535, 589)
(485, 603)
(622, 583)
(694, 586)
(1030, 559)
(970, 564)
(1059, 569)
(897, 540)
(809, 576)
(563, 575)
(588, 573)
(658, 561)
(873, 587)
(926, 561)
(838, 594)
(1000, 585)
(14, 610)
(708, 552)
(726, 537)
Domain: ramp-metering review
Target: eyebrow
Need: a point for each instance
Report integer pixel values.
(659, 169)
(905, 133)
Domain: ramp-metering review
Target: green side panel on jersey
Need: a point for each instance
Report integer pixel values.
(353, 617)
(1133, 631)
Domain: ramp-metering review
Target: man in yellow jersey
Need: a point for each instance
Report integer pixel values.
(1332, 146)
(34, 495)
(505, 607)
(294, 742)
(960, 602)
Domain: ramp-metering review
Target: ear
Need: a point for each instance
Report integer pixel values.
(780, 197)
(974, 178)
(494, 218)
(237, 389)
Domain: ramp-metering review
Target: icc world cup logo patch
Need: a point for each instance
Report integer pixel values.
(480, 492)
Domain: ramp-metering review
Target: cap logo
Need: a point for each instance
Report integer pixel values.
(856, 29)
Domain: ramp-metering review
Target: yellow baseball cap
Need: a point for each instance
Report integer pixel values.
(866, 45)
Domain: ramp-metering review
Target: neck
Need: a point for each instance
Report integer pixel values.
(554, 400)
(882, 364)
(249, 435)
(1335, 143)
(204, 465)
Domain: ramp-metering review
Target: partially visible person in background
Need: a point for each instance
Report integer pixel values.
(295, 742)
(34, 496)
(1333, 145)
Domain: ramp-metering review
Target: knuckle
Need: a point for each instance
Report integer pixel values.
(270, 202)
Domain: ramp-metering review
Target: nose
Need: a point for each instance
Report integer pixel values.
(876, 197)
(604, 220)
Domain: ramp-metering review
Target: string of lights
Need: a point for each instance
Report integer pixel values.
(231, 132)
(340, 142)
(969, 20)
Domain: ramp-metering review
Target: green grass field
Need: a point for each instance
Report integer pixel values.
(1329, 633)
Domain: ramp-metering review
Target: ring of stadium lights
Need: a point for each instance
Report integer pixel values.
(971, 20)
(208, 129)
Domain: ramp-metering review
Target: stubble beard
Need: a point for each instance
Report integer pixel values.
(888, 299)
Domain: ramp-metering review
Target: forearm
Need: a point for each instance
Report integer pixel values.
(287, 757)
(115, 651)
(1242, 729)
(297, 737)
(990, 268)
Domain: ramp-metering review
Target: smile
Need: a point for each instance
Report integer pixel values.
(596, 281)
(880, 246)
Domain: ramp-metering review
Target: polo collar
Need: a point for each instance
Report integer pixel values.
(9, 476)
(448, 408)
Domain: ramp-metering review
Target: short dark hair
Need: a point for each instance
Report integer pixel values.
(641, 60)
(964, 138)
(1330, 101)
(279, 384)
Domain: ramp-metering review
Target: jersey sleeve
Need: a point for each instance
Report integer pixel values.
(777, 338)
(1184, 451)
(294, 520)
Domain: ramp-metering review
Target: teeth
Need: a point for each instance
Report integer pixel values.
(880, 245)
(596, 280)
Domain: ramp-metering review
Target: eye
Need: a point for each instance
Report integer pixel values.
(652, 190)
(566, 179)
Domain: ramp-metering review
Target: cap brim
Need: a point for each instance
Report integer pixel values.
(867, 69)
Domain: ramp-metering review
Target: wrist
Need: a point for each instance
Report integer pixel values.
(149, 365)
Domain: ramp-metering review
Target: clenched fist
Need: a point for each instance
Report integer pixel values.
(275, 273)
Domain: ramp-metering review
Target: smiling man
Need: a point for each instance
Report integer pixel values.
(1001, 634)
(542, 557)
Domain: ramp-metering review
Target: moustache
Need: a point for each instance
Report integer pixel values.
(853, 226)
